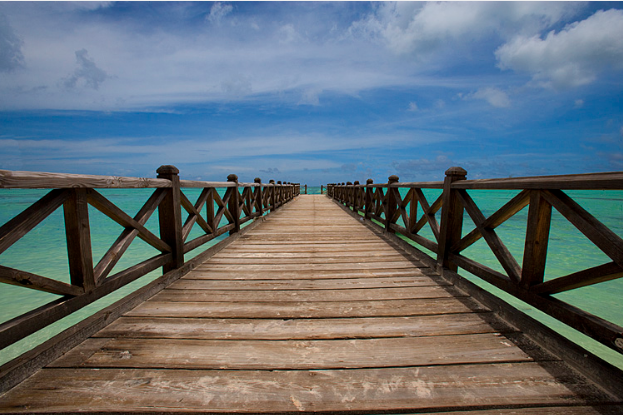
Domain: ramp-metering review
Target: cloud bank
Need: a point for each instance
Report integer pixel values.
(188, 53)
(572, 57)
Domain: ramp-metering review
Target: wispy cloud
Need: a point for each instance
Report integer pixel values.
(86, 73)
(218, 11)
(11, 57)
(492, 95)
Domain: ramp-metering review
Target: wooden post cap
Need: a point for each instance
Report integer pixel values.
(271, 181)
(369, 181)
(456, 171)
(232, 178)
(167, 170)
(257, 180)
(356, 183)
(278, 181)
(348, 183)
(392, 179)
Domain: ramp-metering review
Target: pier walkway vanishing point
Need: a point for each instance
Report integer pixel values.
(311, 310)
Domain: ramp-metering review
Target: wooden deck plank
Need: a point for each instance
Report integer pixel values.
(303, 329)
(308, 295)
(459, 387)
(205, 283)
(349, 260)
(308, 274)
(307, 309)
(351, 266)
(305, 354)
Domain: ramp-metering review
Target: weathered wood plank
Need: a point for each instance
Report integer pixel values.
(311, 267)
(404, 389)
(306, 309)
(189, 283)
(302, 256)
(303, 329)
(349, 260)
(309, 247)
(308, 295)
(308, 274)
(41, 180)
(305, 354)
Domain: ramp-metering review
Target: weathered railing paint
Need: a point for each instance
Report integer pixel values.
(384, 204)
(240, 203)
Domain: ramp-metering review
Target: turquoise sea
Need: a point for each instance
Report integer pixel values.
(43, 252)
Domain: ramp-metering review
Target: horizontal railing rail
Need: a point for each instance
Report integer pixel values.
(388, 207)
(215, 213)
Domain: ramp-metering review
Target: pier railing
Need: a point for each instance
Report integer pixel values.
(397, 212)
(177, 215)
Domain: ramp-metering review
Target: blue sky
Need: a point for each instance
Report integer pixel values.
(312, 92)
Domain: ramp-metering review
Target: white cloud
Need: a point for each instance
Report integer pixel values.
(579, 103)
(409, 27)
(572, 57)
(218, 11)
(494, 96)
(412, 107)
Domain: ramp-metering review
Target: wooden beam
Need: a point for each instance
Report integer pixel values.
(598, 233)
(451, 218)
(537, 237)
(41, 180)
(594, 275)
(20, 225)
(77, 230)
(170, 218)
(115, 252)
(496, 245)
(37, 282)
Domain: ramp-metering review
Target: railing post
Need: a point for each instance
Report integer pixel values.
(170, 217)
(305, 189)
(347, 196)
(390, 207)
(321, 189)
(259, 197)
(356, 196)
(537, 238)
(234, 204)
(77, 229)
(368, 201)
(273, 196)
(451, 218)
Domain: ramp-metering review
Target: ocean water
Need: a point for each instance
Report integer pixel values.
(43, 251)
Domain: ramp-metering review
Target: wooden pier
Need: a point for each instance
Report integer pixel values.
(313, 309)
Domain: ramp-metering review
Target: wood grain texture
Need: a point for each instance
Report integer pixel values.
(405, 389)
(306, 309)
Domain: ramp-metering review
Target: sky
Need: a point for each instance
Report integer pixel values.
(311, 92)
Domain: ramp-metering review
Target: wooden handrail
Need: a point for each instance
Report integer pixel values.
(240, 203)
(384, 204)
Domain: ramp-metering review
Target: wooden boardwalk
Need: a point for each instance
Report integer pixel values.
(310, 311)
